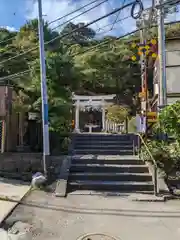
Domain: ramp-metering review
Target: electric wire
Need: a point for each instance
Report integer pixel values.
(117, 16)
(28, 70)
(82, 13)
(66, 22)
(67, 34)
(70, 13)
(87, 50)
(58, 19)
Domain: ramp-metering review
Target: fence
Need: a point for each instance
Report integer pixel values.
(114, 127)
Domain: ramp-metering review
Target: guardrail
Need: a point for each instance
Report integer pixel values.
(141, 141)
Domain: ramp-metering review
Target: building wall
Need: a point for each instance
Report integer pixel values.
(171, 100)
(173, 66)
(172, 71)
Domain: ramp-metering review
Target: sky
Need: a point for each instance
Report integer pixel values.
(15, 13)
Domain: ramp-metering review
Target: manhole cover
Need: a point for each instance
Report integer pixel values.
(97, 236)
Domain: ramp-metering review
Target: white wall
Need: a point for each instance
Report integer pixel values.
(173, 66)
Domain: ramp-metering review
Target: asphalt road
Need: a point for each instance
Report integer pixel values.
(68, 218)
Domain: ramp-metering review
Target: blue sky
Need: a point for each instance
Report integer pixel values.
(14, 13)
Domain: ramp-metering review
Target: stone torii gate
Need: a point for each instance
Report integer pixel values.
(91, 102)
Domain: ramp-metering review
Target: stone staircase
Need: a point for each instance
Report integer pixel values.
(107, 163)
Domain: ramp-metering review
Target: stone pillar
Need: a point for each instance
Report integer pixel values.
(77, 117)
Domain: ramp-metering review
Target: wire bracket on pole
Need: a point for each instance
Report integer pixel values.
(136, 15)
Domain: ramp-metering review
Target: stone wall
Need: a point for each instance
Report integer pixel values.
(22, 165)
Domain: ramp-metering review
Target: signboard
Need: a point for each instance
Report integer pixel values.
(152, 117)
(140, 123)
(143, 94)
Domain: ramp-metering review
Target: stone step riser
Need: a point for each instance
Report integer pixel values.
(112, 169)
(103, 151)
(101, 187)
(134, 178)
(107, 141)
(104, 136)
(97, 147)
(110, 161)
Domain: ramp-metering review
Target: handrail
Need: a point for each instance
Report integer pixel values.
(150, 154)
(156, 190)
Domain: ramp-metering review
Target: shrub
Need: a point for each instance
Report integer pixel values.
(167, 156)
(117, 114)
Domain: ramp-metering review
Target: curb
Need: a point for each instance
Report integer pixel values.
(147, 198)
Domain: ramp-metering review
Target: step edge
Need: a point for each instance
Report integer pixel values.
(106, 174)
(115, 183)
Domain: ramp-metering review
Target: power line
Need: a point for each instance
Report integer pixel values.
(166, 3)
(88, 50)
(28, 70)
(88, 10)
(97, 23)
(73, 17)
(91, 48)
(110, 24)
(118, 14)
(58, 19)
(14, 75)
(7, 40)
(77, 10)
(67, 34)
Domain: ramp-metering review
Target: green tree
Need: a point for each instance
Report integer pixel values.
(81, 36)
(169, 120)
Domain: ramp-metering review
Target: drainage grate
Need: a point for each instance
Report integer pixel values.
(97, 236)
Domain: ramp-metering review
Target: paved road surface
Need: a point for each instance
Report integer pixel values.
(10, 189)
(66, 219)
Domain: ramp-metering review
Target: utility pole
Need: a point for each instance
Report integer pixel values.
(144, 99)
(44, 96)
(162, 101)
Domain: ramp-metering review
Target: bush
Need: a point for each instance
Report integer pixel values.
(117, 114)
(167, 156)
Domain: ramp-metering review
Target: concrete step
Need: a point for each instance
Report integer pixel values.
(102, 146)
(104, 136)
(108, 161)
(118, 161)
(111, 186)
(101, 141)
(137, 177)
(104, 151)
(106, 157)
(109, 168)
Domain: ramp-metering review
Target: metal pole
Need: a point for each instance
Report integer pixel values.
(144, 101)
(162, 101)
(43, 90)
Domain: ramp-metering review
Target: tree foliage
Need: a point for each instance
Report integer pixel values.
(70, 66)
(117, 114)
(169, 120)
